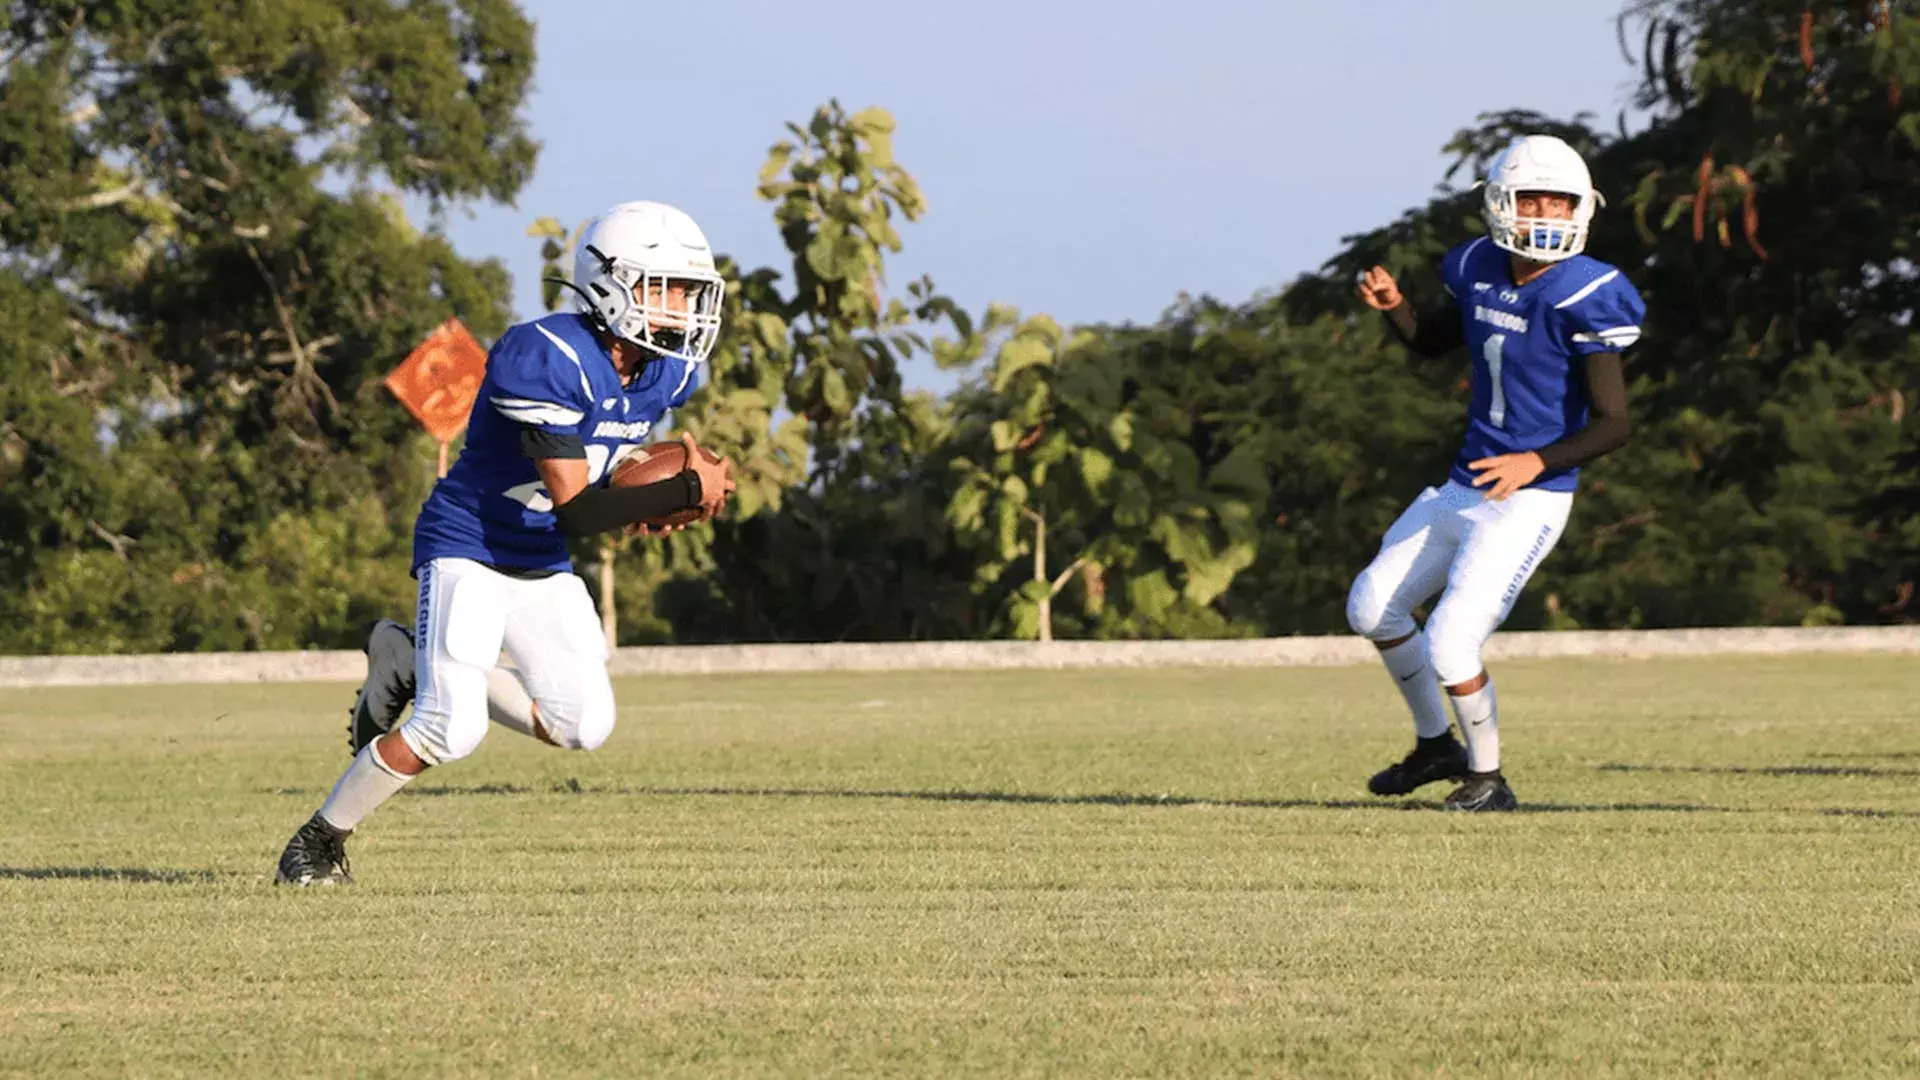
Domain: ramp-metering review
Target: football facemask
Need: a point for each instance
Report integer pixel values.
(640, 306)
(1542, 164)
(634, 265)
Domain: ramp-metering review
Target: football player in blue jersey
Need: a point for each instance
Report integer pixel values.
(565, 398)
(1545, 327)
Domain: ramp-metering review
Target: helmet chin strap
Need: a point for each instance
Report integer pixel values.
(593, 307)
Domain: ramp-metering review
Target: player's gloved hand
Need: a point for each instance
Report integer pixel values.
(1507, 473)
(716, 476)
(1378, 290)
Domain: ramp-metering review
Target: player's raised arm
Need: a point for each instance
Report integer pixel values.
(1432, 334)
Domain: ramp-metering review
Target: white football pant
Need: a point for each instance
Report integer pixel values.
(468, 614)
(1480, 552)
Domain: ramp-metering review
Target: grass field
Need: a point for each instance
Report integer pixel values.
(1009, 874)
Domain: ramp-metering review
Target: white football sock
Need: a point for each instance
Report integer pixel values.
(1418, 684)
(366, 784)
(1480, 723)
(507, 702)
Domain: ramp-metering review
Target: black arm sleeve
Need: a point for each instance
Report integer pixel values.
(1608, 423)
(1434, 334)
(539, 443)
(598, 510)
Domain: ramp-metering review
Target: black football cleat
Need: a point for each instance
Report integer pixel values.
(1483, 792)
(389, 686)
(317, 855)
(1432, 760)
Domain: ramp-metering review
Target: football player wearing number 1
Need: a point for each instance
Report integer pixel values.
(1545, 326)
(565, 398)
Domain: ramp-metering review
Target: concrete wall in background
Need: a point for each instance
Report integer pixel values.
(350, 667)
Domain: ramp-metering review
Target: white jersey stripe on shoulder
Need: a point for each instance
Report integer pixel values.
(555, 338)
(1588, 291)
(685, 377)
(585, 386)
(553, 417)
(1465, 254)
(536, 412)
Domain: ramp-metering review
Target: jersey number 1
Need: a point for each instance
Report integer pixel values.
(1497, 404)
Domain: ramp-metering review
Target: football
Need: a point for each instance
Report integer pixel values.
(661, 461)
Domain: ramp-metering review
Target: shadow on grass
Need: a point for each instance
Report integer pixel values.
(574, 787)
(1028, 798)
(1765, 770)
(433, 790)
(493, 789)
(106, 873)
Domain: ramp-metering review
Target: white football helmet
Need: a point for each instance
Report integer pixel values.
(1539, 163)
(628, 259)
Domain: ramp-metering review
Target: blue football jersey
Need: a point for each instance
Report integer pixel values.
(1528, 392)
(554, 375)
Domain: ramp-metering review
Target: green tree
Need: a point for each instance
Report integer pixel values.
(205, 272)
(1776, 204)
(1088, 446)
(828, 536)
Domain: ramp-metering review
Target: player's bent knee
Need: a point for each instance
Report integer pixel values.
(437, 738)
(577, 725)
(1456, 666)
(1454, 650)
(1370, 613)
(583, 736)
(1364, 609)
(591, 736)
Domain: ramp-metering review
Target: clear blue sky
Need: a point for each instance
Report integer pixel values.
(1087, 159)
